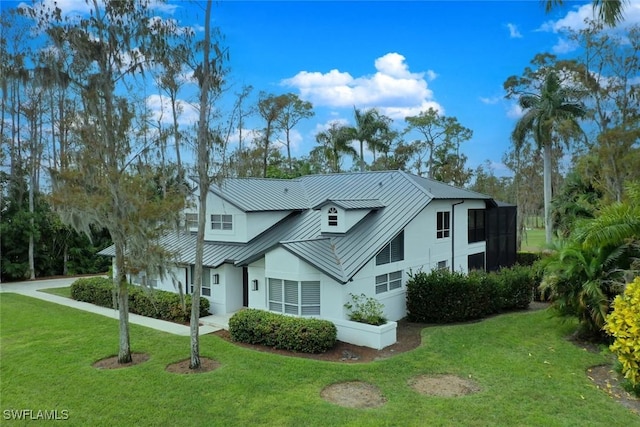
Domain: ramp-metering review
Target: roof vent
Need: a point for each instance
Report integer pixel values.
(380, 183)
(286, 190)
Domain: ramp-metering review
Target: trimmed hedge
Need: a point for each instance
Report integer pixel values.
(151, 303)
(444, 297)
(305, 335)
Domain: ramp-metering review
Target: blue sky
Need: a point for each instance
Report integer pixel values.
(399, 57)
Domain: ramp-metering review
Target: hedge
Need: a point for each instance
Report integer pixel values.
(145, 302)
(300, 334)
(444, 297)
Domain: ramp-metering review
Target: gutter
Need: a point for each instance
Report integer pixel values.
(453, 229)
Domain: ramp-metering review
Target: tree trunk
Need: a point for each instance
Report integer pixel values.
(120, 283)
(203, 188)
(361, 156)
(548, 227)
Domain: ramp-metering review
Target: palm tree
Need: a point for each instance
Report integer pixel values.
(609, 11)
(550, 115)
(369, 124)
(334, 143)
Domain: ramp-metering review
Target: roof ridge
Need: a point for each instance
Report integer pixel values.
(406, 176)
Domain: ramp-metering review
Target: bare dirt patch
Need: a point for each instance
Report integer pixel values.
(608, 380)
(354, 394)
(443, 385)
(182, 367)
(111, 362)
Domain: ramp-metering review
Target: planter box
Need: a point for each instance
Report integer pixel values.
(356, 333)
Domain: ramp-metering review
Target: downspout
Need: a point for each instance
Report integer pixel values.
(453, 235)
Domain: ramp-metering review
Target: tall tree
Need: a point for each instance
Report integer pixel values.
(608, 69)
(294, 110)
(440, 144)
(549, 117)
(119, 40)
(333, 143)
(368, 127)
(209, 74)
(270, 108)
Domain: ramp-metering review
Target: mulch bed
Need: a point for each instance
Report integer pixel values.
(111, 362)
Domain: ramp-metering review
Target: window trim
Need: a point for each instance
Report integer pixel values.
(384, 282)
(300, 293)
(332, 217)
(476, 234)
(191, 220)
(221, 221)
(443, 224)
(387, 252)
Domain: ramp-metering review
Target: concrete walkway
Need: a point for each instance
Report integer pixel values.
(32, 289)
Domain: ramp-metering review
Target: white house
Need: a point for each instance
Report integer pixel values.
(302, 246)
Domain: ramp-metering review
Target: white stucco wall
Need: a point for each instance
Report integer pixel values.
(246, 226)
(256, 271)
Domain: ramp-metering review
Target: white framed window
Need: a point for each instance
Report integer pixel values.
(222, 222)
(142, 279)
(388, 282)
(205, 290)
(191, 220)
(443, 224)
(443, 265)
(394, 251)
(332, 217)
(291, 297)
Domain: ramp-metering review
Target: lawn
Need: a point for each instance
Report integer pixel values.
(534, 241)
(529, 375)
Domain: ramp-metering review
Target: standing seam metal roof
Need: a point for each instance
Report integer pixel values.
(402, 196)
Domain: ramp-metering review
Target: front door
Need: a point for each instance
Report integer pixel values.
(245, 287)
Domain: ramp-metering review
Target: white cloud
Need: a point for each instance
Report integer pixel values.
(393, 89)
(491, 100)
(564, 46)
(160, 107)
(515, 111)
(575, 19)
(514, 33)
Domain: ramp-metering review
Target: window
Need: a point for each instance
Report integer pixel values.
(393, 252)
(291, 297)
(443, 224)
(221, 222)
(205, 290)
(442, 265)
(476, 225)
(142, 279)
(333, 217)
(388, 282)
(191, 220)
(475, 261)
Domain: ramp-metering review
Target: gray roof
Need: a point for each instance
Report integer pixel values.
(257, 194)
(353, 204)
(393, 197)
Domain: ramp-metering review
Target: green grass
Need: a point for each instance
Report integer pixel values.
(535, 240)
(63, 292)
(529, 374)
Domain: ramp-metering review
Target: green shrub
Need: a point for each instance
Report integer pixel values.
(300, 334)
(145, 302)
(517, 285)
(528, 258)
(444, 297)
(365, 309)
(95, 290)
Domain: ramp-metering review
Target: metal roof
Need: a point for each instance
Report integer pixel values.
(353, 204)
(257, 194)
(402, 195)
